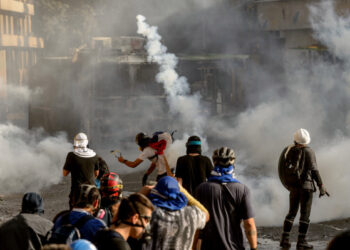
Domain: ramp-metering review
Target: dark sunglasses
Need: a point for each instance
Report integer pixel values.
(147, 218)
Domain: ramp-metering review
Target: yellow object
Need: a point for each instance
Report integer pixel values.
(191, 200)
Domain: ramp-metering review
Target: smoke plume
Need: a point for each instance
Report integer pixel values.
(177, 89)
(312, 96)
(30, 160)
(316, 97)
(182, 103)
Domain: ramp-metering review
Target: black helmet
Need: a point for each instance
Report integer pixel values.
(224, 156)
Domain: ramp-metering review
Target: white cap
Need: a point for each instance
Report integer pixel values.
(81, 140)
(302, 136)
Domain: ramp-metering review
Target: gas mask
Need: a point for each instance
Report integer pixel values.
(146, 235)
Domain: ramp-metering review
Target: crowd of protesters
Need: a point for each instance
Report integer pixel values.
(200, 206)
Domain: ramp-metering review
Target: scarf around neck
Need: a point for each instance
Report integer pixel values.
(166, 194)
(84, 152)
(223, 174)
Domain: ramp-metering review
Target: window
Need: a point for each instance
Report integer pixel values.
(11, 28)
(2, 31)
(16, 26)
(6, 24)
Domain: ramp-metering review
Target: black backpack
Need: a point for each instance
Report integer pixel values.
(67, 232)
(291, 166)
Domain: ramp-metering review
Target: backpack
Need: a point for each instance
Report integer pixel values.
(291, 166)
(67, 232)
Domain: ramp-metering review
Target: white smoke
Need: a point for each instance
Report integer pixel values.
(334, 31)
(315, 98)
(30, 160)
(181, 102)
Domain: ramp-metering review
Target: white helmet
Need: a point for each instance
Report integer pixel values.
(81, 140)
(224, 156)
(302, 136)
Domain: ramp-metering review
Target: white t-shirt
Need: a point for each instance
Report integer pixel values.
(149, 152)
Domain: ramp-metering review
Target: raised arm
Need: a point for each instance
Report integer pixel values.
(130, 164)
(193, 202)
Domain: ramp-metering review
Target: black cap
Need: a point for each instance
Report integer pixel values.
(32, 203)
(193, 145)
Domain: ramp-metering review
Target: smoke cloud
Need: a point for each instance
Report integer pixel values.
(313, 97)
(176, 87)
(181, 102)
(30, 160)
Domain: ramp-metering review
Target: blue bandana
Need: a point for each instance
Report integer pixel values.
(194, 143)
(223, 174)
(166, 194)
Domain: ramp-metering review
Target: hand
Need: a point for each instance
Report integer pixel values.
(323, 191)
(144, 179)
(121, 159)
(146, 190)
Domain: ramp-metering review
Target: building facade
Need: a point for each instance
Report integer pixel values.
(18, 49)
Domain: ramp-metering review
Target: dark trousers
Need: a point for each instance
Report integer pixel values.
(303, 198)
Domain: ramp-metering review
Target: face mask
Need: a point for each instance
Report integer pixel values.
(146, 236)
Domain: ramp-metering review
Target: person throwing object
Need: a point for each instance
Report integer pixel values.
(152, 149)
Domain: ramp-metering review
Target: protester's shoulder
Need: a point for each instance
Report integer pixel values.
(196, 215)
(309, 150)
(183, 158)
(37, 219)
(238, 187)
(209, 185)
(206, 158)
(96, 223)
(71, 155)
(76, 215)
(9, 223)
(109, 239)
(119, 243)
(38, 223)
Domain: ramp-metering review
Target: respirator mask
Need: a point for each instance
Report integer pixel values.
(146, 235)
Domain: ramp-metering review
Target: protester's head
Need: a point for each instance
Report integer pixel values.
(223, 157)
(32, 203)
(142, 140)
(341, 241)
(111, 188)
(193, 145)
(166, 194)
(135, 211)
(87, 196)
(302, 137)
(80, 140)
(82, 244)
